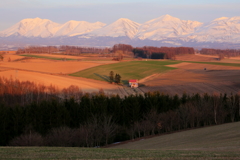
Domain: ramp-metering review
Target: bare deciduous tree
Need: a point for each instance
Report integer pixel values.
(29, 139)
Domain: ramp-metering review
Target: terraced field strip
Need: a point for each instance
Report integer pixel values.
(129, 90)
(139, 91)
(123, 92)
(127, 70)
(48, 57)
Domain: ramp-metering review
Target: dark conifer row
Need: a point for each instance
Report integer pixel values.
(33, 114)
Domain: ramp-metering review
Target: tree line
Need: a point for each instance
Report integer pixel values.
(68, 50)
(161, 52)
(221, 52)
(41, 115)
(118, 51)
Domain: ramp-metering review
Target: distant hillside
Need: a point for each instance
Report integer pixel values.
(220, 137)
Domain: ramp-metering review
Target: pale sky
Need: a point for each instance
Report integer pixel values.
(108, 11)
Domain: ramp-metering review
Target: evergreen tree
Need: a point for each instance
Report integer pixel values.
(111, 76)
(117, 78)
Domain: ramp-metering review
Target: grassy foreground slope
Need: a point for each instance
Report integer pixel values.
(121, 154)
(39, 153)
(224, 137)
(216, 142)
(127, 70)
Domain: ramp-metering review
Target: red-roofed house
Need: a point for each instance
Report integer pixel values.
(133, 83)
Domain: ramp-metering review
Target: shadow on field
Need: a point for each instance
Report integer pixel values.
(125, 82)
(104, 77)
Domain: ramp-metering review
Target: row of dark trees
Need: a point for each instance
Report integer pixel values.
(68, 50)
(162, 52)
(120, 50)
(43, 115)
(221, 53)
(128, 50)
(122, 47)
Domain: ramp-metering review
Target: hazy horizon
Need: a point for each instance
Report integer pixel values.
(107, 11)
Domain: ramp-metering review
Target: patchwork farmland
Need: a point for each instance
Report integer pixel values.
(193, 74)
(188, 73)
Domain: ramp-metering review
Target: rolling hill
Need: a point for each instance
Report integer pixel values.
(221, 137)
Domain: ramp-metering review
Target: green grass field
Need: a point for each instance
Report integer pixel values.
(47, 57)
(127, 70)
(38, 153)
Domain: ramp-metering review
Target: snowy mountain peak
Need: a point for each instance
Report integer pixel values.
(221, 18)
(35, 21)
(123, 20)
(100, 23)
(74, 28)
(235, 18)
(164, 18)
(120, 28)
(219, 30)
(167, 17)
(166, 27)
(37, 27)
(226, 19)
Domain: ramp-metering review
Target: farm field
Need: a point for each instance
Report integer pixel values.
(192, 78)
(53, 56)
(185, 74)
(52, 72)
(60, 82)
(217, 142)
(49, 57)
(127, 70)
(54, 67)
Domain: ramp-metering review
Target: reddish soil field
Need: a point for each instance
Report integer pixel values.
(87, 85)
(192, 78)
(195, 57)
(53, 72)
(46, 65)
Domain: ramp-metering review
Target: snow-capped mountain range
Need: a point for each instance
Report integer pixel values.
(162, 30)
(45, 28)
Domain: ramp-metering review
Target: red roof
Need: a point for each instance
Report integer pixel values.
(133, 80)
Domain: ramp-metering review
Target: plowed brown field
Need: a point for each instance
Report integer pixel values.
(192, 78)
(48, 66)
(198, 57)
(53, 72)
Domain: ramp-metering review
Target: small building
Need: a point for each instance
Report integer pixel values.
(133, 83)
